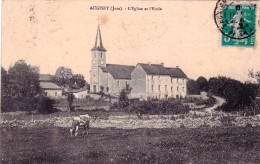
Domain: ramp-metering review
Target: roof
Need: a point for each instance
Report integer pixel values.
(119, 71)
(176, 72)
(154, 69)
(98, 43)
(159, 69)
(77, 90)
(49, 85)
(45, 77)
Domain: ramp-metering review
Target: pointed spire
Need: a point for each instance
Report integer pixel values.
(98, 44)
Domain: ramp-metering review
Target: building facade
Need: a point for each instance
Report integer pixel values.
(50, 89)
(146, 80)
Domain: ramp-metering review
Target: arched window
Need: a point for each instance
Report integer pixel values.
(101, 55)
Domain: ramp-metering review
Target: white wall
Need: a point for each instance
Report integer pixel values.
(53, 93)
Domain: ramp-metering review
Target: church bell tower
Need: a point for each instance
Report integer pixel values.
(98, 60)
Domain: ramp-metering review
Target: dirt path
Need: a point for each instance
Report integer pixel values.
(219, 102)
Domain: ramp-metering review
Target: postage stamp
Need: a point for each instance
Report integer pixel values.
(236, 23)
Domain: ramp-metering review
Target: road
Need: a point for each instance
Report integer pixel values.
(219, 102)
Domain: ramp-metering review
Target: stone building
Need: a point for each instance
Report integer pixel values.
(50, 89)
(146, 80)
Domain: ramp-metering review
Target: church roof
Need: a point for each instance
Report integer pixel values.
(98, 44)
(159, 69)
(119, 71)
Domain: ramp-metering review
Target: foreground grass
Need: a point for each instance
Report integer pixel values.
(201, 145)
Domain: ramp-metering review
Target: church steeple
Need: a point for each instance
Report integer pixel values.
(98, 44)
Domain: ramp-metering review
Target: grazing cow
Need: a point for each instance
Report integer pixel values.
(80, 121)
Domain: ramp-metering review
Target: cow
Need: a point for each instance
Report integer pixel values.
(80, 121)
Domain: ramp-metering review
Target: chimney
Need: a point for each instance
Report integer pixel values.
(162, 64)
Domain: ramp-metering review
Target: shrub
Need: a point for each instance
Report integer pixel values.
(45, 105)
(160, 107)
(123, 97)
(70, 99)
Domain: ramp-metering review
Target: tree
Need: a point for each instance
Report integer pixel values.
(202, 83)
(4, 89)
(63, 77)
(24, 80)
(123, 97)
(192, 87)
(70, 99)
(101, 92)
(79, 80)
(254, 75)
(20, 87)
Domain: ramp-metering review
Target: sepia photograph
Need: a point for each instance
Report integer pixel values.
(120, 82)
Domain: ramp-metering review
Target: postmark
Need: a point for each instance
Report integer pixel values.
(236, 21)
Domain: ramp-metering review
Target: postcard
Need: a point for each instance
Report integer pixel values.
(130, 81)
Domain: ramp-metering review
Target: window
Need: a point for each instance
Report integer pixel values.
(177, 88)
(171, 80)
(165, 88)
(152, 87)
(171, 88)
(126, 83)
(159, 88)
(152, 77)
(177, 80)
(183, 89)
(55, 93)
(117, 83)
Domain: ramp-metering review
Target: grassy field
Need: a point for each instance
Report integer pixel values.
(200, 145)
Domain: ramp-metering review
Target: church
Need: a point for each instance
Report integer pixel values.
(146, 80)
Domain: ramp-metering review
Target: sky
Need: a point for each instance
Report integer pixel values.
(53, 33)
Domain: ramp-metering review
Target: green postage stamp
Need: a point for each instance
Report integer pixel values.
(236, 23)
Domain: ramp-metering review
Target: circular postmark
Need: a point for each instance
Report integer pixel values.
(235, 20)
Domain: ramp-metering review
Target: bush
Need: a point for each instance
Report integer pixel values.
(123, 97)
(160, 107)
(45, 105)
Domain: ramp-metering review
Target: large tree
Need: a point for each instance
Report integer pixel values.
(202, 83)
(192, 87)
(78, 80)
(20, 87)
(63, 76)
(23, 80)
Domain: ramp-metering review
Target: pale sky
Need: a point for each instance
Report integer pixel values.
(62, 33)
